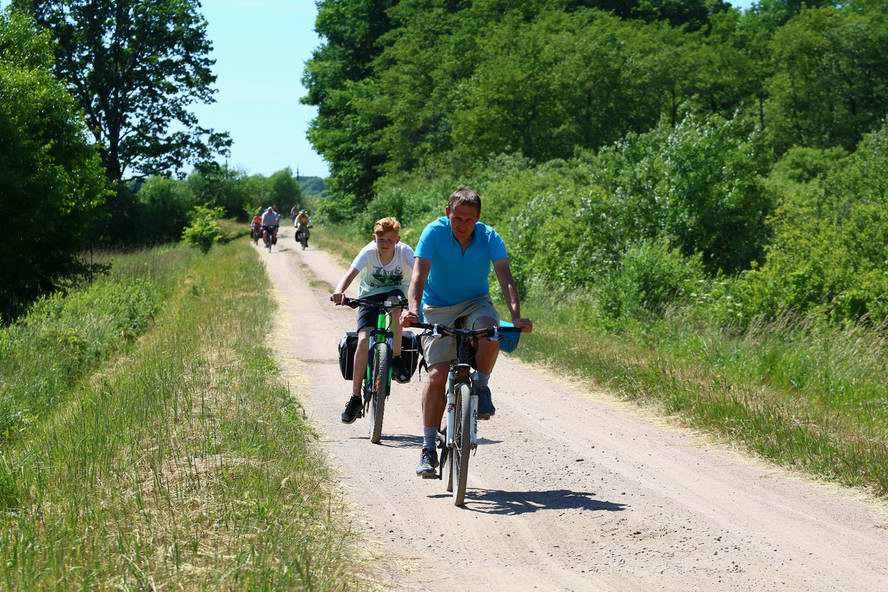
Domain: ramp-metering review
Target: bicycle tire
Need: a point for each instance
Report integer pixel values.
(462, 446)
(379, 390)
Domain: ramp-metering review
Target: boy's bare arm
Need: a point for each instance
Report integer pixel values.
(344, 283)
(421, 268)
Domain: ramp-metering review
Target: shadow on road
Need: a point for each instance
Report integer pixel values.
(401, 441)
(510, 503)
(410, 441)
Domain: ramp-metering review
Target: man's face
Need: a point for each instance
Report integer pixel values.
(462, 220)
(386, 241)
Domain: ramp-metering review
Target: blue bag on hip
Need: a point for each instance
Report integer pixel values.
(508, 342)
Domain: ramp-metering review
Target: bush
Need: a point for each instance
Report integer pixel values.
(203, 230)
(830, 251)
(162, 207)
(52, 179)
(650, 277)
(698, 183)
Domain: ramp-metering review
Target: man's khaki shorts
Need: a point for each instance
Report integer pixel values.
(443, 349)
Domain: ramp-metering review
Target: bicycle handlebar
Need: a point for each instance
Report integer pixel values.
(386, 305)
(490, 332)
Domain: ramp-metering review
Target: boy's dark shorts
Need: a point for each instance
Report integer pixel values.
(367, 315)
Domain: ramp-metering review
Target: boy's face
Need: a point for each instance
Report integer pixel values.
(386, 241)
(462, 220)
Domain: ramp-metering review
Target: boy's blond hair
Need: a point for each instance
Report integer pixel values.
(385, 224)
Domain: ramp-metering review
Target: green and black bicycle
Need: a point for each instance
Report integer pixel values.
(380, 371)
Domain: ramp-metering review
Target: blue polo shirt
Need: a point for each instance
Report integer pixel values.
(457, 276)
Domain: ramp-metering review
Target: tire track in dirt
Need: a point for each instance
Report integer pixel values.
(571, 489)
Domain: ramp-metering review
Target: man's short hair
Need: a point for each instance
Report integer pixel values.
(385, 224)
(464, 195)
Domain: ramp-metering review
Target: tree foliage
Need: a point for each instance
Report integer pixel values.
(51, 179)
(345, 130)
(675, 133)
(830, 250)
(136, 66)
(830, 84)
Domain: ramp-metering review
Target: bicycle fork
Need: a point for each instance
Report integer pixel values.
(452, 411)
(374, 340)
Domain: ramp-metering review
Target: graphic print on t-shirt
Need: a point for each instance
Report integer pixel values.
(383, 278)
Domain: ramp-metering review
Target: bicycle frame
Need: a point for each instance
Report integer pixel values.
(460, 373)
(380, 334)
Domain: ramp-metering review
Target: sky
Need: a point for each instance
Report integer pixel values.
(260, 48)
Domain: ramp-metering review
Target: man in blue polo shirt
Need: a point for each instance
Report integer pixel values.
(450, 274)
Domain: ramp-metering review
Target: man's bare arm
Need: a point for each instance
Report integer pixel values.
(510, 292)
(421, 268)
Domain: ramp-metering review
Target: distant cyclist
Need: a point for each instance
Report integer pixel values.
(271, 221)
(256, 226)
(450, 275)
(302, 223)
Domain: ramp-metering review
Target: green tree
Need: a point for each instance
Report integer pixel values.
(285, 190)
(429, 50)
(51, 179)
(345, 130)
(162, 205)
(136, 66)
(830, 84)
(563, 82)
(221, 186)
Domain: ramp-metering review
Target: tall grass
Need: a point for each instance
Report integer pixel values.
(67, 335)
(182, 464)
(800, 393)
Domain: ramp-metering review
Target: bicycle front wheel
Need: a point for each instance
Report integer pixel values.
(379, 390)
(462, 445)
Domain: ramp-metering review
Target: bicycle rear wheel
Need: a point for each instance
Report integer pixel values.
(379, 390)
(462, 446)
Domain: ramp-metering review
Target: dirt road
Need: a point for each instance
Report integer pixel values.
(571, 489)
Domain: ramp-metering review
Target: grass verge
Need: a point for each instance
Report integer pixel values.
(335, 240)
(183, 463)
(813, 398)
(64, 336)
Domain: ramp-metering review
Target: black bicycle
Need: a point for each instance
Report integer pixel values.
(302, 235)
(378, 377)
(460, 436)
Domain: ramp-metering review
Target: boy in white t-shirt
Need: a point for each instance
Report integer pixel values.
(385, 265)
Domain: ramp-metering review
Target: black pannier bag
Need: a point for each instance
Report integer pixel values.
(347, 345)
(410, 352)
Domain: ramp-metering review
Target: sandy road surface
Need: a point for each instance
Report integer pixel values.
(570, 489)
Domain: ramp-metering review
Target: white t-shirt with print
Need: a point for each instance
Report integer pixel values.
(377, 278)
